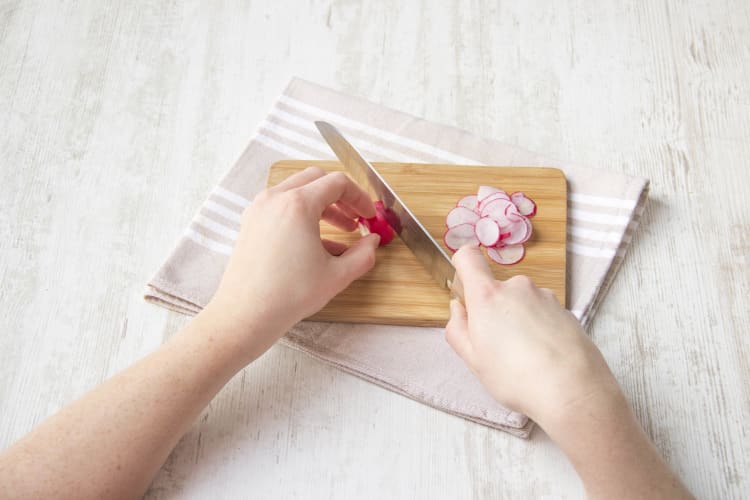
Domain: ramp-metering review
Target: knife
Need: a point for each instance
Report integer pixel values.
(412, 232)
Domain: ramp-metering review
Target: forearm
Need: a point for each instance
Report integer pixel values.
(111, 442)
(612, 455)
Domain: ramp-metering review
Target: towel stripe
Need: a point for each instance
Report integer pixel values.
(208, 243)
(382, 134)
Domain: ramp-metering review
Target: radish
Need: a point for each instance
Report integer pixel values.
(485, 191)
(492, 219)
(460, 235)
(469, 202)
(487, 231)
(383, 223)
(496, 207)
(461, 215)
(526, 205)
(507, 255)
(494, 196)
(520, 232)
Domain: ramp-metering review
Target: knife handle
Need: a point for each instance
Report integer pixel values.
(457, 289)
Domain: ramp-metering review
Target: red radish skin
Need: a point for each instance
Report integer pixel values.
(459, 236)
(461, 215)
(487, 231)
(380, 224)
(519, 232)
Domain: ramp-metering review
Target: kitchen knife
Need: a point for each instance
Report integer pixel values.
(412, 232)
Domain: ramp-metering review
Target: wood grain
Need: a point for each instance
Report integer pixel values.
(117, 119)
(399, 290)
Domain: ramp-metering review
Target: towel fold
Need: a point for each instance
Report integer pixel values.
(604, 209)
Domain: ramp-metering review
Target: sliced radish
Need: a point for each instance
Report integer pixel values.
(485, 191)
(519, 232)
(469, 202)
(461, 215)
(502, 195)
(526, 205)
(460, 235)
(496, 207)
(487, 231)
(512, 213)
(507, 255)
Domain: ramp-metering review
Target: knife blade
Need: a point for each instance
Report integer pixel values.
(416, 237)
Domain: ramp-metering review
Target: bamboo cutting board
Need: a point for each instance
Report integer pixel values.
(398, 290)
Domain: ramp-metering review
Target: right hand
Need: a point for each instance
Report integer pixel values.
(527, 350)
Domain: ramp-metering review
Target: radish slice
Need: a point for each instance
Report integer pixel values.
(526, 205)
(469, 202)
(512, 213)
(460, 235)
(494, 219)
(519, 232)
(494, 196)
(496, 207)
(487, 231)
(461, 215)
(507, 255)
(485, 191)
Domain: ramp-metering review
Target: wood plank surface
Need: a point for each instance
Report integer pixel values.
(399, 290)
(117, 119)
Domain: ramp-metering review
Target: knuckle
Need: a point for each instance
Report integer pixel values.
(521, 281)
(314, 169)
(339, 178)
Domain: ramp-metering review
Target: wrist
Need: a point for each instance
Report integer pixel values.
(241, 336)
(596, 405)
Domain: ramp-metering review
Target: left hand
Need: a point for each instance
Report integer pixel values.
(281, 271)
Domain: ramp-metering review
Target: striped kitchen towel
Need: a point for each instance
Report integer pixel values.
(603, 212)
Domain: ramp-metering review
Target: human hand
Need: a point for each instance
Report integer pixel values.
(528, 351)
(280, 271)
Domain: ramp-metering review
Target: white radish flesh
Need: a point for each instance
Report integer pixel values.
(519, 232)
(496, 207)
(460, 235)
(494, 196)
(507, 255)
(487, 231)
(469, 202)
(461, 215)
(485, 191)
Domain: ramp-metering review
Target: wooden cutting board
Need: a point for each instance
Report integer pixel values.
(398, 290)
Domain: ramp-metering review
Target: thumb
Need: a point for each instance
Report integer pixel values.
(457, 331)
(356, 260)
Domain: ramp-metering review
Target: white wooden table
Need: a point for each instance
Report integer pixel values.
(116, 120)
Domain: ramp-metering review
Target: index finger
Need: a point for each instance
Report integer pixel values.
(339, 187)
(473, 270)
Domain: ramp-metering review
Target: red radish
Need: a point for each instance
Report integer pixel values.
(507, 255)
(469, 202)
(487, 231)
(526, 205)
(381, 224)
(461, 215)
(460, 235)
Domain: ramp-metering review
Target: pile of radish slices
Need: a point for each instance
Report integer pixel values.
(494, 219)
